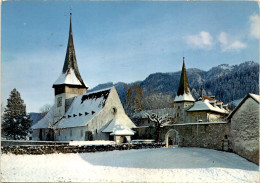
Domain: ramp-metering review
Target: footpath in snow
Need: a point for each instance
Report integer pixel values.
(145, 165)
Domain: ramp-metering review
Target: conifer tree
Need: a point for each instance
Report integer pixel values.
(16, 123)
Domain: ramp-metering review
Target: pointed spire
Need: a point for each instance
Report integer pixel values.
(184, 83)
(70, 59)
(184, 88)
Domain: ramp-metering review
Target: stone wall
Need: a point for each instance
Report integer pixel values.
(203, 135)
(245, 130)
(30, 142)
(49, 149)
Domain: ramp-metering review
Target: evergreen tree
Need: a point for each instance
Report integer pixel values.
(16, 123)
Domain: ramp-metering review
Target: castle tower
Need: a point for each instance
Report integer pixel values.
(69, 84)
(184, 97)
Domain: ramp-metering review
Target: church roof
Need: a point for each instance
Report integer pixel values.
(70, 66)
(68, 78)
(184, 93)
(83, 108)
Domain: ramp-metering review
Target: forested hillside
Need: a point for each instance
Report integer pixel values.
(224, 81)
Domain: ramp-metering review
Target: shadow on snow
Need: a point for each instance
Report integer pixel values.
(169, 158)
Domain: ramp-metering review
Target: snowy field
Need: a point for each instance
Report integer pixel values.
(146, 165)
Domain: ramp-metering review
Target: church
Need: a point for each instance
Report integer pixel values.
(77, 115)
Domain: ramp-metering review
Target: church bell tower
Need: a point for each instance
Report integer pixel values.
(69, 84)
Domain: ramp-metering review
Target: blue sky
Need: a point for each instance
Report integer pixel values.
(120, 41)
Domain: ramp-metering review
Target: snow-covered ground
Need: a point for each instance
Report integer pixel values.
(146, 165)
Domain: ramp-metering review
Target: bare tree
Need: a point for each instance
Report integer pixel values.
(159, 122)
(45, 109)
(134, 99)
(157, 111)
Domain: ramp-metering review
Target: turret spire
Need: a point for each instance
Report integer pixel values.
(184, 93)
(184, 83)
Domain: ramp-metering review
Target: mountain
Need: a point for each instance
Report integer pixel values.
(224, 81)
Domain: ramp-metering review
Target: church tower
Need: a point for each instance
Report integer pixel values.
(183, 99)
(69, 84)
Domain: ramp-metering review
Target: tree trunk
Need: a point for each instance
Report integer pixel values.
(157, 134)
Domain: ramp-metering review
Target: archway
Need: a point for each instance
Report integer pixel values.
(172, 138)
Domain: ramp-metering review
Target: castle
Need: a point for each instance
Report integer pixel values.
(205, 109)
(208, 123)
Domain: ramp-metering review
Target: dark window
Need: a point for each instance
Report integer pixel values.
(59, 90)
(59, 101)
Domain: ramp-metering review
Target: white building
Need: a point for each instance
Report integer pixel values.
(77, 115)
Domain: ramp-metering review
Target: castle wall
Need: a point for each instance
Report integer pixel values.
(210, 136)
(204, 116)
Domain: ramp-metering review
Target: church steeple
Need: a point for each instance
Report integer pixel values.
(69, 84)
(70, 66)
(184, 93)
(70, 59)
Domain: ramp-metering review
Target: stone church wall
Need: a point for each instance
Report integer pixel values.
(210, 136)
(245, 130)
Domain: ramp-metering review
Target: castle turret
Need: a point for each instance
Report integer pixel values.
(184, 97)
(69, 84)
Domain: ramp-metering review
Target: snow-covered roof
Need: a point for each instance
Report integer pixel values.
(184, 97)
(206, 106)
(116, 127)
(68, 78)
(160, 112)
(253, 96)
(83, 108)
(211, 98)
(46, 121)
